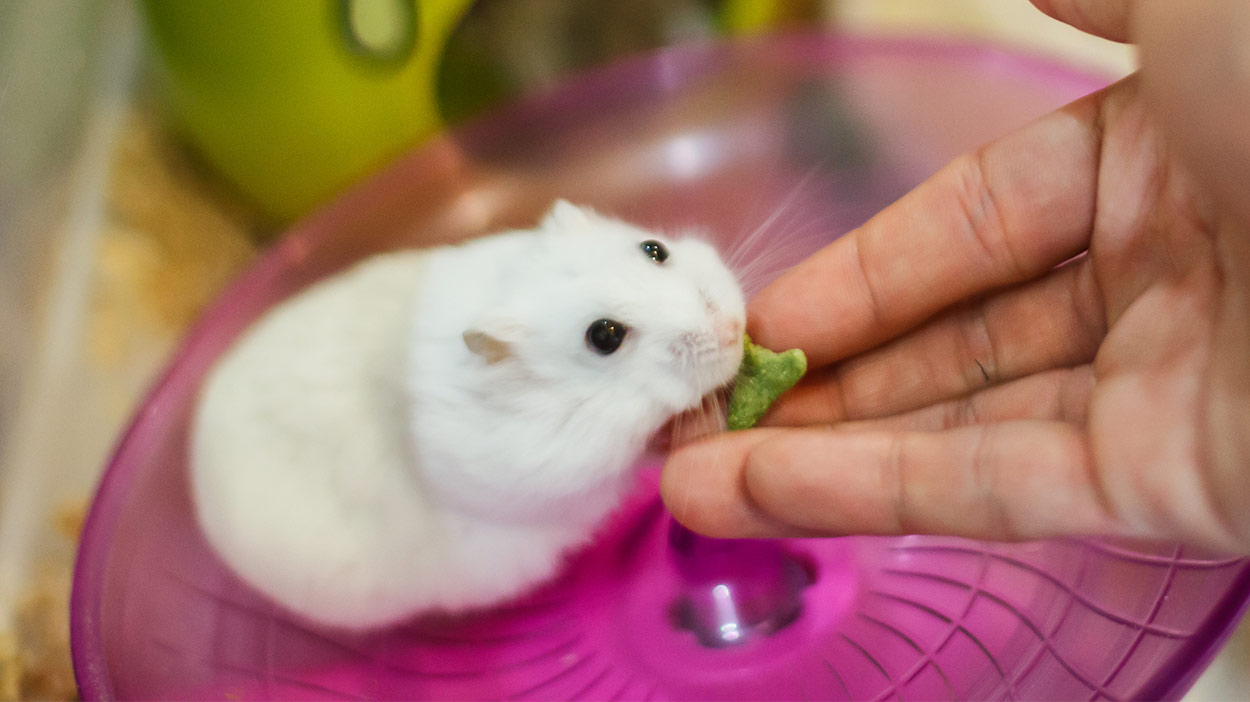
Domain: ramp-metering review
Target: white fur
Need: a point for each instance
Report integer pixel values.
(430, 430)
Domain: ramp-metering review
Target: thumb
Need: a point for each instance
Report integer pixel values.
(1195, 72)
(1015, 480)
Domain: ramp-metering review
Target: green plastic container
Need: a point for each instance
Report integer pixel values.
(294, 99)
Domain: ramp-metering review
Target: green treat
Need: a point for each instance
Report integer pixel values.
(762, 377)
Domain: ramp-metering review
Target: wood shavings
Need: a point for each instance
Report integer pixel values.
(171, 238)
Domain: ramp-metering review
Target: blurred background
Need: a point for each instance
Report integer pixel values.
(148, 150)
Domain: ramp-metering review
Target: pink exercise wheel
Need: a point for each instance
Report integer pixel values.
(819, 131)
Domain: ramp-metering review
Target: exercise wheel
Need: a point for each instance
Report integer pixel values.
(811, 135)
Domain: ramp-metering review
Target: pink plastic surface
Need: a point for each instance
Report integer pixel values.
(821, 132)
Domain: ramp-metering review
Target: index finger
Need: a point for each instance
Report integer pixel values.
(1004, 214)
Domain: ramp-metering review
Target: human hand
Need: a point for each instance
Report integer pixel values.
(964, 382)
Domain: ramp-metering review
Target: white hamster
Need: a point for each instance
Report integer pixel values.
(433, 430)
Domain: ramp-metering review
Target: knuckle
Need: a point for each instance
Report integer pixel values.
(835, 396)
(981, 357)
(987, 498)
(895, 475)
(968, 414)
(876, 305)
(983, 218)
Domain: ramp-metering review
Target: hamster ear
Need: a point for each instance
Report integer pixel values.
(565, 214)
(494, 338)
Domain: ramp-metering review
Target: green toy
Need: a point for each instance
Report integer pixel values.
(294, 100)
(762, 377)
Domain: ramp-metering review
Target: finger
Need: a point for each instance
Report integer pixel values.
(1013, 481)
(1003, 215)
(1010, 481)
(1059, 395)
(702, 488)
(1108, 19)
(1053, 322)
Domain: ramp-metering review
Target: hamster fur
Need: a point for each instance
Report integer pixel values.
(432, 430)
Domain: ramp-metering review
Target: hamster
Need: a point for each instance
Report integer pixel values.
(434, 430)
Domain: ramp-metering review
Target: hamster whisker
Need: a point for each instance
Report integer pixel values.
(705, 419)
(790, 249)
(786, 242)
(744, 245)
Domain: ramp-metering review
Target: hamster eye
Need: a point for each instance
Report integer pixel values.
(605, 335)
(654, 250)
